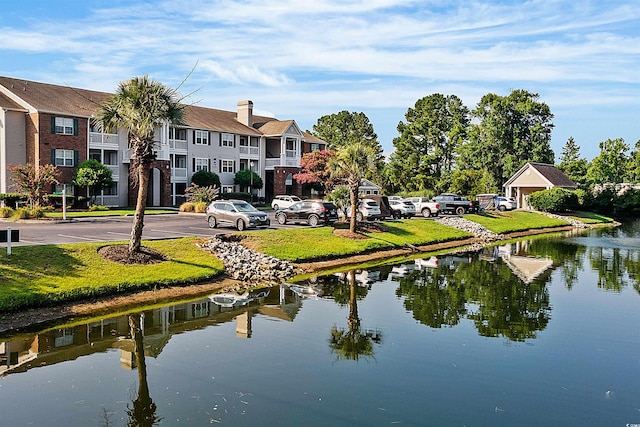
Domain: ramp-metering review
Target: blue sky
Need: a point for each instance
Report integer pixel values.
(302, 60)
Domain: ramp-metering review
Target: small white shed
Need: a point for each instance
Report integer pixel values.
(534, 177)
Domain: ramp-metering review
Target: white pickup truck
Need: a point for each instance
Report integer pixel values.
(424, 206)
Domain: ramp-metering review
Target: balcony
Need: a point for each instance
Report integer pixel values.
(249, 150)
(179, 173)
(114, 171)
(178, 144)
(101, 139)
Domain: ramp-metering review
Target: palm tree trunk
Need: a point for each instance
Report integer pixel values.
(143, 169)
(353, 192)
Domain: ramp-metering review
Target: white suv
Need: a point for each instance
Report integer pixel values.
(283, 202)
(368, 210)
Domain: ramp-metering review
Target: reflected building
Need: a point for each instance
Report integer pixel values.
(61, 344)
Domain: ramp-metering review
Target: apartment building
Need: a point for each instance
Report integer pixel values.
(50, 124)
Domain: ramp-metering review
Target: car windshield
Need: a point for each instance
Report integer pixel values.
(244, 207)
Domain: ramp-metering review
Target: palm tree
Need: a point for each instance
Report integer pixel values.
(353, 343)
(141, 106)
(349, 166)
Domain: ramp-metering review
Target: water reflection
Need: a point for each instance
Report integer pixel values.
(142, 412)
(64, 343)
(353, 343)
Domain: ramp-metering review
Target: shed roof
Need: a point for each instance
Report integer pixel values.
(550, 173)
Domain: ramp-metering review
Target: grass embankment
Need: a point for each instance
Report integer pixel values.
(309, 244)
(509, 222)
(37, 276)
(591, 218)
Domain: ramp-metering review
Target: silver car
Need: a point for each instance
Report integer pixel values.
(235, 213)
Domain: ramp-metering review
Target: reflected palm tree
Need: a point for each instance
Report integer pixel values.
(353, 343)
(143, 410)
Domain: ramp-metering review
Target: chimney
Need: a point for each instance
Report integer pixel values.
(245, 113)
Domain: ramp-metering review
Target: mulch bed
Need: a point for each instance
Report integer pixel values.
(120, 254)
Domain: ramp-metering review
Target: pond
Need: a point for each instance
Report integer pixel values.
(540, 331)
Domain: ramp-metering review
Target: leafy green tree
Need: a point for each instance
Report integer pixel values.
(205, 178)
(425, 151)
(610, 166)
(633, 166)
(93, 174)
(248, 178)
(339, 196)
(140, 105)
(345, 128)
(508, 132)
(349, 166)
(32, 180)
(572, 164)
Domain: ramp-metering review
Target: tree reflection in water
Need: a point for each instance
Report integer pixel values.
(488, 293)
(143, 410)
(353, 343)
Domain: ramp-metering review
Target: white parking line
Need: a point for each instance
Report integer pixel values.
(78, 237)
(199, 228)
(118, 234)
(173, 232)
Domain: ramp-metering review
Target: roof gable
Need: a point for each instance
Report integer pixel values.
(548, 173)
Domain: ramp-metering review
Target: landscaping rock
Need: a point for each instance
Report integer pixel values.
(250, 267)
(479, 232)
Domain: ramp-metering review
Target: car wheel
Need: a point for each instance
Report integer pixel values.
(426, 212)
(459, 210)
(313, 220)
(212, 222)
(275, 207)
(501, 208)
(282, 219)
(240, 225)
(359, 216)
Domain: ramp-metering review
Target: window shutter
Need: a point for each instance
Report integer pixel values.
(234, 141)
(53, 156)
(75, 127)
(194, 141)
(208, 138)
(193, 168)
(209, 165)
(53, 124)
(220, 166)
(76, 157)
(219, 139)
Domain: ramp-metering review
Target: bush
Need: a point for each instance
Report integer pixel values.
(196, 193)
(6, 212)
(11, 199)
(204, 178)
(56, 199)
(554, 200)
(94, 208)
(240, 196)
(187, 207)
(200, 207)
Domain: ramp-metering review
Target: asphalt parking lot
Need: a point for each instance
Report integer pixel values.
(109, 229)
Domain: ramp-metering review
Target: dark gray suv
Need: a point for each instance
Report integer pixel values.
(235, 213)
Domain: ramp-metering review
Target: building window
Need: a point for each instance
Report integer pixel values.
(227, 188)
(64, 126)
(315, 147)
(64, 157)
(227, 166)
(111, 191)
(179, 134)
(69, 188)
(227, 140)
(200, 164)
(201, 137)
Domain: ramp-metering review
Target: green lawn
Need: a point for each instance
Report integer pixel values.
(308, 244)
(591, 218)
(44, 275)
(514, 221)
